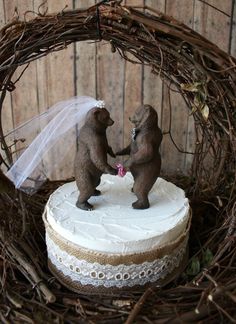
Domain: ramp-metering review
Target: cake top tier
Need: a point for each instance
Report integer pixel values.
(113, 226)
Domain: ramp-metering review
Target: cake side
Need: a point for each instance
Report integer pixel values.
(98, 272)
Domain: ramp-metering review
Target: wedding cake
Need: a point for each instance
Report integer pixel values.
(115, 247)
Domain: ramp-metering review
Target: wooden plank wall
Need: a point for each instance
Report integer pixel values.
(180, 118)
(91, 69)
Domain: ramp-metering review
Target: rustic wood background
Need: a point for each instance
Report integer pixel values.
(91, 69)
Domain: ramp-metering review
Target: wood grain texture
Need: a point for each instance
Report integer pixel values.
(2, 14)
(7, 115)
(7, 105)
(110, 83)
(91, 69)
(232, 39)
(224, 6)
(153, 86)
(175, 113)
(213, 24)
(152, 83)
(184, 130)
(85, 61)
(24, 98)
(110, 87)
(133, 86)
(55, 75)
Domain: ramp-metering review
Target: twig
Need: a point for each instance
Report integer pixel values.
(14, 300)
(48, 295)
(3, 319)
(138, 306)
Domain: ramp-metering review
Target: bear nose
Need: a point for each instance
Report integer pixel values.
(132, 120)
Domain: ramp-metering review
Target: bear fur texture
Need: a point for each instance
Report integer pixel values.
(91, 158)
(145, 160)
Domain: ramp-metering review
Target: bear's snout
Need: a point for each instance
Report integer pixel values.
(134, 120)
(110, 122)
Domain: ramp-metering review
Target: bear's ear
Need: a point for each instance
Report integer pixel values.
(147, 111)
(149, 115)
(96, 112)
(100, 115)
(148, 108)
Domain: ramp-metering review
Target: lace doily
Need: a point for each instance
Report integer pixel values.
(109, 276)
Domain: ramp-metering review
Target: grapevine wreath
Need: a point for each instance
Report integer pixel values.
(206, 78)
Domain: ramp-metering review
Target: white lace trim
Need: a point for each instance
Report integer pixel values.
(109, 276)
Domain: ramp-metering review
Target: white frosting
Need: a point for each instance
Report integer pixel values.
(114, 226)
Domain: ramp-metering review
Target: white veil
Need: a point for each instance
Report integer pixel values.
(29, 171)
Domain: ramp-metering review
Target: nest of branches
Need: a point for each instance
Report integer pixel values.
(206, 78)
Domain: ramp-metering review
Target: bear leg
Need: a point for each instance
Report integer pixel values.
(142, 195)
(141, 204)
(97, 192)
(84, 195)
(85, 206)
(96, 181)
(87, 184)
(134, 174)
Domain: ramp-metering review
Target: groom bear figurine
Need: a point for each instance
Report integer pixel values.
(145, 160)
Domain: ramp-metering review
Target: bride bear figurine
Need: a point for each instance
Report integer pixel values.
(145, 160)
(91, 158)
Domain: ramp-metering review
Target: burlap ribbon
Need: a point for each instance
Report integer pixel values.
(113, 259)
(104, 259)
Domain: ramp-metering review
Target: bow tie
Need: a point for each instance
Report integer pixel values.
(134, 133)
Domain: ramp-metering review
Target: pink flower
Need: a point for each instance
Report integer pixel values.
(121, 170)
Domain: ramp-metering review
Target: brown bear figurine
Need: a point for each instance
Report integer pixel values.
(145, 160)
(91, 158)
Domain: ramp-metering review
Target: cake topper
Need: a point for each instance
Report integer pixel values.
(91, 158)
(145, 160)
